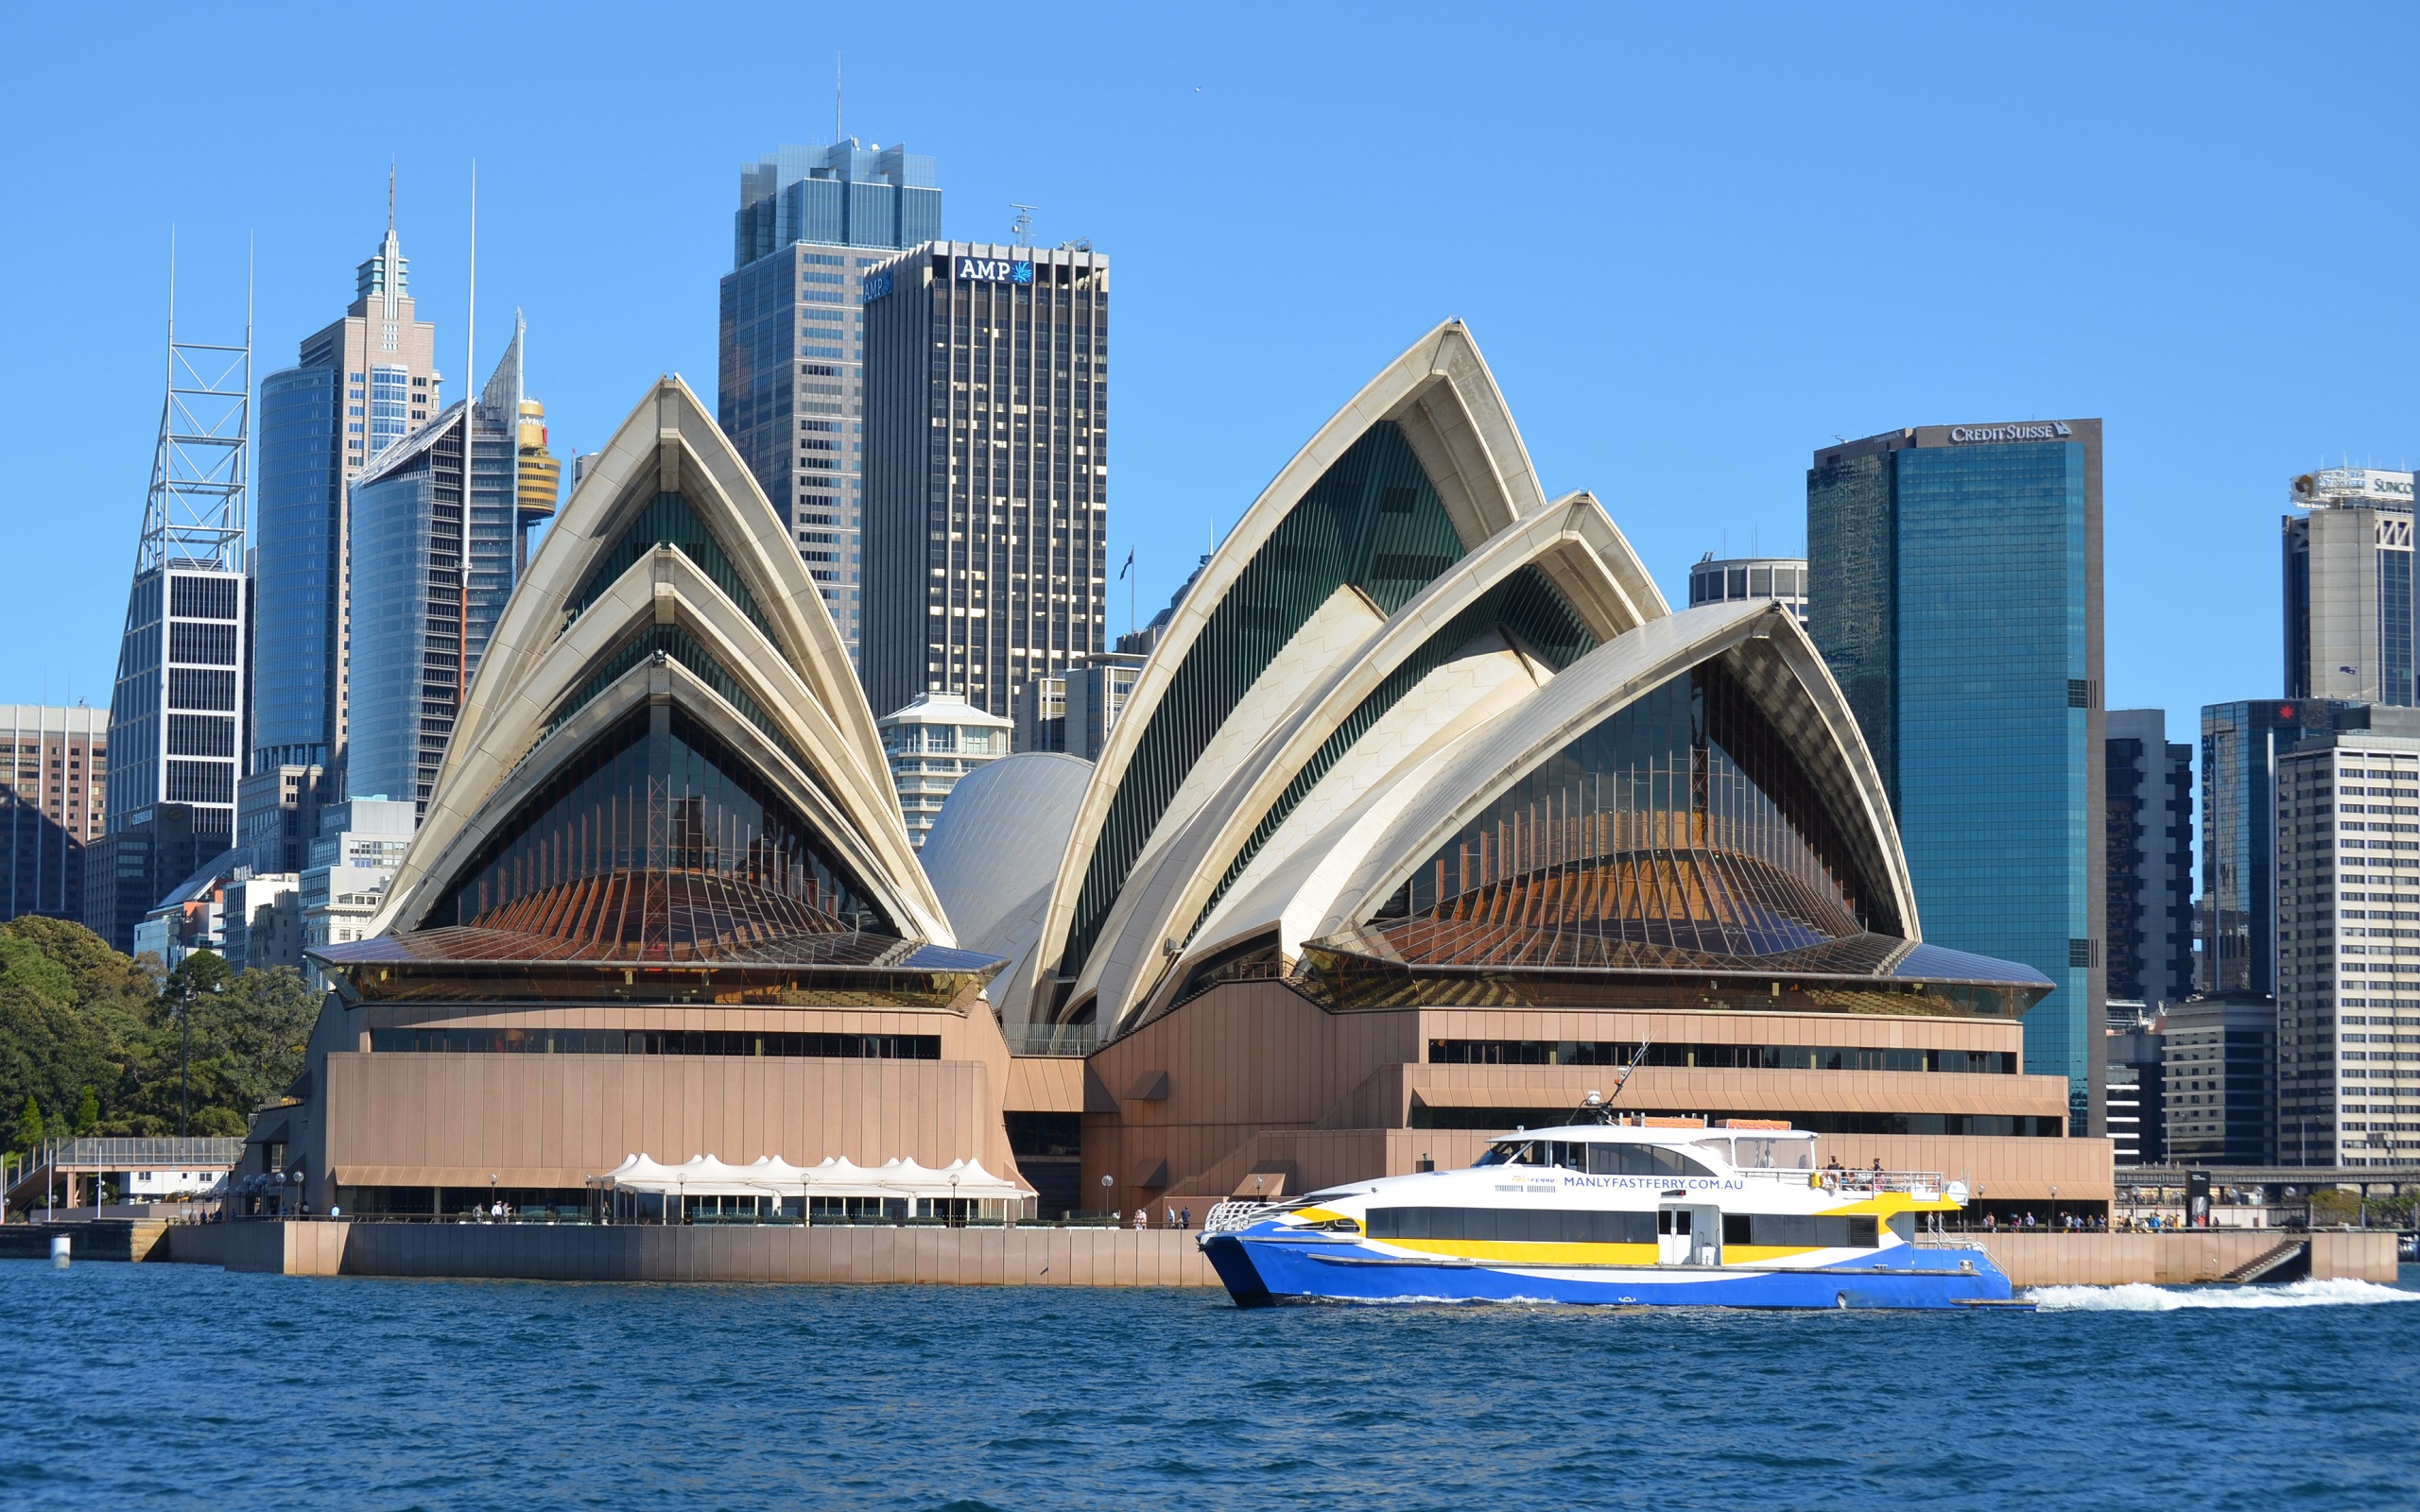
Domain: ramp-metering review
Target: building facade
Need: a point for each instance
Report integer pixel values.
(56, 803)
(2242, 744)
(987, 468)
(1955, 579)
(438, 522)
(1073, 712)
(178, 719)
(929, 745)
(2137, 1106)
(277, 814)
(790, 388)
(2348, 991)
(2349, 630)
(1734, 579)
(358, 387)
(2149, 832)
(2219, 1080)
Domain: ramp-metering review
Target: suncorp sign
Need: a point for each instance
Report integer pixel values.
(993, 270)
(2353, 484)
(2051, 429)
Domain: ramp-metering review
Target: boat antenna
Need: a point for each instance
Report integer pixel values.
(1604, 1106)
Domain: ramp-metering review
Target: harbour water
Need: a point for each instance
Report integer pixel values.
(187, 1386)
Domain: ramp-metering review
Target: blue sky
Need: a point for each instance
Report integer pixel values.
(1694, 244)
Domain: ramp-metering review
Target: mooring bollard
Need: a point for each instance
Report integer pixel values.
(58, 1243)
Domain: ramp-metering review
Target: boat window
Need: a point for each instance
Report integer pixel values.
(1804, 1231)
(1512, 1152)
(1641, 1160)
(1753, 1155)
(1568, 1154)
(1512, 1224)
(1672, 1221)
(1718, 1149)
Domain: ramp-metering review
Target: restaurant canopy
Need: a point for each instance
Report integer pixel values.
(704, 1175)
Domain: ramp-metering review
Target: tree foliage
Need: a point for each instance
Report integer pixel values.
(94, 1041)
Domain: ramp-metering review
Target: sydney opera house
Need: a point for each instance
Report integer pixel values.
(1427, 818)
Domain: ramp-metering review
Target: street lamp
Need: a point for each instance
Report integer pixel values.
(184, 1054)
(1107, 1182)
(491, 1202)
(956, 1217)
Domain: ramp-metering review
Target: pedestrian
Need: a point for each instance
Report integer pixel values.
(1142, 1219)
(1188, 1217)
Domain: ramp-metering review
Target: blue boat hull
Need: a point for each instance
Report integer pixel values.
(1262, 1270)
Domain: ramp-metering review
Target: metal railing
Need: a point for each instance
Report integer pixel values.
(1236, 1214)
(138, 1154)
(1072, 1040)
(1925, 1184)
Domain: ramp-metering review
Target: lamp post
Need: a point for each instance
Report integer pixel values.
(1107, 1182)
(493, 1214)
(957, 1218)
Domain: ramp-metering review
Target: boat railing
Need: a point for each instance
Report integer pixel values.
(1928, 1185)
(1236, 1214)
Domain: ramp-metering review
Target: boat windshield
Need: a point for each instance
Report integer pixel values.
(1512, 1152)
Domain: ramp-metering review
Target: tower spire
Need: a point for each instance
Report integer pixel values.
(391, 199)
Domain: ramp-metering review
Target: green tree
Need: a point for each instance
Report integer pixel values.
(88, 1112)
(29, 1127)
(52, 1044)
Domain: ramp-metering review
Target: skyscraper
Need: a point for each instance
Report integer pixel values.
(1954, 587)
(179, 707)
(789, 390)
(53, 803)
(2240, 746)
(2347, 875)
(2150, 837)
(2349, 627)
(358, 387)
(987, 468)
(431, 570)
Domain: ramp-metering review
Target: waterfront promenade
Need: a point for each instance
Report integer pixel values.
(1040, 1256)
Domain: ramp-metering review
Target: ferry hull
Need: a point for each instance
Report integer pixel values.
(1261, 1271)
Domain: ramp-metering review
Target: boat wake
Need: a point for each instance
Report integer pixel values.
(2135, 1296)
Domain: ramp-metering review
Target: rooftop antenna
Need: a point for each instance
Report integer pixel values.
(836, 97)
(1022, 228)
(390, 197)
(471, 317)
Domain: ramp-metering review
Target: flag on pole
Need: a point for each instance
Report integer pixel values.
(1130, 561)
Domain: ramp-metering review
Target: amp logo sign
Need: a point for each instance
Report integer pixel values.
(993, 270)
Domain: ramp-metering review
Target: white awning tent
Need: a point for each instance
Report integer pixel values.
(704, 1175)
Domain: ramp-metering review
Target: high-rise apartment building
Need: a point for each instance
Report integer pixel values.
(1954, 577)
(436, 525)
(930, 744)
(358, 387)
(789, 390)
(1732, 580)
(987, 468)
(2349, 629)
(55, 802)
(2348, 991)
(2149, 832)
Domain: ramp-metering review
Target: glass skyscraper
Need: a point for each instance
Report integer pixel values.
(358, 387)
(431, 569)
(789, 390)
(1954, 587)
(2241, 745)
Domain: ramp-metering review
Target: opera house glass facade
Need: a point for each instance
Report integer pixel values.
(662, 903)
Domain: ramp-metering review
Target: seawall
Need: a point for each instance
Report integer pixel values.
(2179, 1258)
(866, 1255)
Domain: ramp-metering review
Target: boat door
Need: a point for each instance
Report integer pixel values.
(1689, 1234)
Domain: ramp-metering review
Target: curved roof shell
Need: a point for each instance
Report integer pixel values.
(668, 588)
(1403, 691)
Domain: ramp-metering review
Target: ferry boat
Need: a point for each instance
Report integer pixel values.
(1643, 1213)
